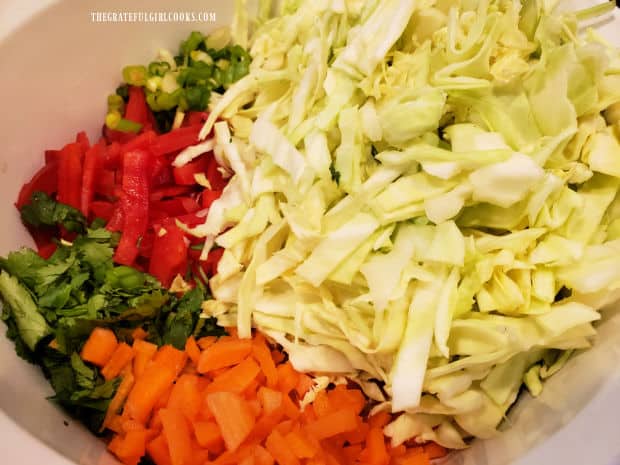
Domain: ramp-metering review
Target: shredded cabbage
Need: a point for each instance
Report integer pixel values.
(425, 194)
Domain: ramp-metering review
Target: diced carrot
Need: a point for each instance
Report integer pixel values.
(198, 457)
(265, 425)
(131, 425)
(205, 342)
(158, 451)
(261, 353)
(178, 436)
(351, 398)
(434, 450)
(375, 448)
(236, 379)
(186, 397)
(287, 377)
(133, 445)
(233, 332)
(279, 449)
(397, 451)
(192, 349)
(224, 353)
(162, 402)
(300, 445)
(208, 435)
(155, 421)
(148, 390)
(119, 397)
(247, 460)
(285, 427)
(262, 456)
(99, 346)
(233, 416)
(321, 404)
(308, 415)
(358, 435)
(339, 421)
(278, 356)
(255, 407)
(304, 384)
(352, 452)
(380, 419)
(143, 354)
(414, 458)
(139, 334)
(171, 357)
(121, 356)
(115, 423)
(291, 410)
(271, 400)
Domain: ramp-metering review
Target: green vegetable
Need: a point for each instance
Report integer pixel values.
(135, 75)
(472, 229)
(115, 121)
(45, 211)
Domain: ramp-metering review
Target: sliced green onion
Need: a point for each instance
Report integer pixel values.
(153, 83)
(192, 42)
(135, 75)
(115, 103)
(115, 121)
(158, 68)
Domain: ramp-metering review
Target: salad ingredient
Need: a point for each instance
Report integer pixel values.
(404, 207)
(99, 347)
(228, 414)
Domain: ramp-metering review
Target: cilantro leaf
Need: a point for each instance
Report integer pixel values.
(45, 211)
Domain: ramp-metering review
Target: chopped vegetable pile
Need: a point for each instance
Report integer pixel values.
(401, 212)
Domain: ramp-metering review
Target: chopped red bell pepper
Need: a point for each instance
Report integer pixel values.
(82, 139)
(52, 156)
(176, 206)
(169, 255)
(210, 264)
(117, 219)
(141, 141)
(104, 183)
(215, 177)
(93, 161)
(176, 140)
(191, 219)
(44, 180)
(195, 117)
(145, 249)
(135, 205)
(161, 173)
(113, 156)
(184, 175)
(103, 210)
(47, 250)
(136, 109)
(169, 192)
(70, 175)
(112, 135)
(209, 196)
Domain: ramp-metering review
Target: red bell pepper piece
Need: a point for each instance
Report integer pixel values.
(136, 109)
(82, 139)
(169, 255)
(195, 117)
(112, 135)
(135, 205)
(141, 141)
(52, 156)
(103, 210)
(184, 175)
(215, 177)
(117, 219)
(191, 219)
(47, 250)
(176, 140)
(112, 156)
(93, 160)
(176, 206)
(104, 183)
(145, 249)
(44, 180)
(161, 173)
(210, 264)
(209, 196)
(169, 192)
(70, 175)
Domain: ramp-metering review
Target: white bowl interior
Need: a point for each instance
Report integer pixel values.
(58, 67)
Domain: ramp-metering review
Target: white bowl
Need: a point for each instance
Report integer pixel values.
(57, 67)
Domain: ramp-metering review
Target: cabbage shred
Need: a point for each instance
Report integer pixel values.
(425, 193)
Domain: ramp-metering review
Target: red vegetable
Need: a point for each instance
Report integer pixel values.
(184, 175)
(176, 140)
(93, 160)
(135, 205)
(169, 254)
(44, 180)
(137, 109)
(70, 175)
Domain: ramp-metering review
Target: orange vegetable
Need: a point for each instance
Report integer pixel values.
(414, 457)
(301, 445)
(233, 416)
(127, 424)
(143, 354)
(379, 420)
(133, 446)
(119, 397)
(205, 342)
(285, 427)
(261, 353)
(99, 346)
(114, 423)
(208, 435)
(262, 456)
(304, 384)
(122, 356)
(271, 400)
(139, 333)
(192, 349)
(375, 451)
(178, 436)
(321, 404)
(352, 452)
(287, 377)
(224, 353)
(148, 390)
(158, 450)
(186, 397)
(339, 421)
(291, 410)
(279, 449)
(170, 357)
(434, 450)
(351, 398)
(236, 379)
